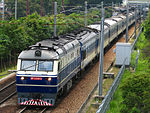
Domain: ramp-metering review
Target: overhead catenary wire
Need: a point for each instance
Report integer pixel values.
(58, 16)
(69, 9)
(80, 7)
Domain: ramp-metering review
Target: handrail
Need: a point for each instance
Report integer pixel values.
(133, 46)
(136, 61)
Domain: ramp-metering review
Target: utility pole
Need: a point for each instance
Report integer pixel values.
(127, 21)
(52, 6)
(41, 8)
(140, 16)
(62, 5)
(85, 13)
(55, 14)
(135, 11)
(3, 12)
(27, 7)
(145, 12)
(16, 9)
(112, 7)
(101, 40)
(119, 4)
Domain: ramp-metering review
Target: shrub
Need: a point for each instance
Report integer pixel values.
(136, 93)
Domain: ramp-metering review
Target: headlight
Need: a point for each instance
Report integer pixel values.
(22, 78)
(49, 79)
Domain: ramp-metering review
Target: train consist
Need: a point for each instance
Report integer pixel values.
(46, 69)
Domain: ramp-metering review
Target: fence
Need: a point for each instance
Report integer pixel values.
(133, 45)
(136, 61)
(105, 103)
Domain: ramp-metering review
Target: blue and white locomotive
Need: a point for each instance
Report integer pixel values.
(47, 68)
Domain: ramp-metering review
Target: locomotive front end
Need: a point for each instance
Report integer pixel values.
(36, 78)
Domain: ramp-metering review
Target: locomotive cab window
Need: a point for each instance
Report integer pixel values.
(45, 66)
(28, 65)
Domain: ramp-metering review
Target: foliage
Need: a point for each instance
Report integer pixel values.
(136, 93)
(147, 27)
(136, 86)
(19, 34)
(4, 44)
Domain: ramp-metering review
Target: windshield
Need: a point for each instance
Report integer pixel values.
(28, 65)
(45, 66)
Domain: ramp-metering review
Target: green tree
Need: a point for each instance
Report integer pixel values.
(4, 45)
(136, 93)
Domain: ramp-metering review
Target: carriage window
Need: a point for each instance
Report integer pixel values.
(28, 65)
(45, 66)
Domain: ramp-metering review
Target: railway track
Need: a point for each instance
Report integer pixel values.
(22, 110)
(8, 91)
(72, 102)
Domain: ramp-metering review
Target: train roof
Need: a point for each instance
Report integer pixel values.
(97, 26)
(86, 36)
(54, 48)
(122, 16)
(110, 21)
(117, 18)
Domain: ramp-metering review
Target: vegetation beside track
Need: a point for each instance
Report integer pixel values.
(5, 73)
(133, 94)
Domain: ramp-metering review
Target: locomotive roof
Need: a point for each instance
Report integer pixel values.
(55, 47)
(45, 55)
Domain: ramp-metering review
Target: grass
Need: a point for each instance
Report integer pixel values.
(5, 73)
(106, 85)
(114, 104)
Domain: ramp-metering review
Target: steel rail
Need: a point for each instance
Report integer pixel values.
(7, 85)
(8, 97)
(44, 110)
(21, 111)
